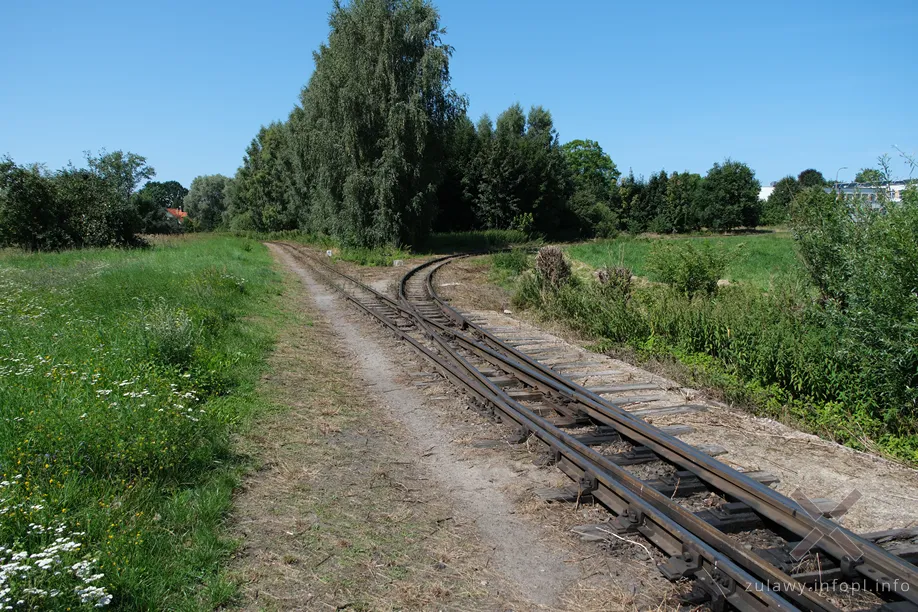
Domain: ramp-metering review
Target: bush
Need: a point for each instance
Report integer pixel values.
(553, 268)
(32, 217)
(864, 260)
(685, 268)
(772, 348)
(822, 233)
(615, 281)
(70, 208)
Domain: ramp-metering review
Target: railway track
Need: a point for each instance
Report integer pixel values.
(705, 546)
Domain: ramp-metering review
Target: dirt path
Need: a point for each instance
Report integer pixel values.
(372, 494)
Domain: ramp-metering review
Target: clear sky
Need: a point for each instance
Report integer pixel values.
(678, 85)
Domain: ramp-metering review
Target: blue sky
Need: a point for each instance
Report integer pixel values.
(666, 84)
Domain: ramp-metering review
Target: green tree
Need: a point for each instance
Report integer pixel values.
(631, 193)
(151, 202)
(100, 215)
(32, 217)
(594, 177)
(520, 170)
(206, 201)
(456, 194)
(730, 197)
(681, 204)
(170, 194)
(548, 183)
(777, 208)
(375, 115)
(264, 190)
(123, 171)
(647, 203)
(811, 178)
(869, 175)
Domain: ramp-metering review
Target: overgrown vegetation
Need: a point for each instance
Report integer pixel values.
(380, 151)
(687, 268)
(763, 259)
(122, 376)
(835, 349)
(96, 206)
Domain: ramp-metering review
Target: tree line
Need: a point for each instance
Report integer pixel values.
(98, 205)
(380, 150)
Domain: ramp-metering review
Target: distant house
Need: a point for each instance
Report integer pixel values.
(871, 192)
(178, 214)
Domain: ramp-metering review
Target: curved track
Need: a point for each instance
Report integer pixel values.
(700, 546)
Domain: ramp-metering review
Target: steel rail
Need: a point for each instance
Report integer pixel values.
(713, 537)
(722, 576)
(878, 565)
(583, 463)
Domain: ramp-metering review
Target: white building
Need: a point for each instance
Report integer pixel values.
(892, 190)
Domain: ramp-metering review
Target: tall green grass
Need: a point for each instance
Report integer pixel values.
(122, 377)
(777, 350)
(759, 259)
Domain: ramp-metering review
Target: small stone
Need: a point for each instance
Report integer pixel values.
(397, 262)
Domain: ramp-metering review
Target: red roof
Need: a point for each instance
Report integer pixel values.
(178, 214)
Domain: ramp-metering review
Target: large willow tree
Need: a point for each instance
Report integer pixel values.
(373, 122)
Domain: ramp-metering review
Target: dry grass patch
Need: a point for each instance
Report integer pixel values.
(335, 515)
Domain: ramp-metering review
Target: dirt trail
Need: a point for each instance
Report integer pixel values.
(374, 495)
(530, 566)
(339, 513)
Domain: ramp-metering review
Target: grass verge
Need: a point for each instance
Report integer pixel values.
(777, 351)
(122, 378)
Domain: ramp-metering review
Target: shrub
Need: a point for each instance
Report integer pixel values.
(685, 268)
(615, 280)
(32, 217)
(515, 260)
(823, 232)
(864, 259)
(71, 208)
(553, 268)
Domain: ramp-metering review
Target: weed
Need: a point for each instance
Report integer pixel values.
(687, 268)
(122, 376)
(515, 260)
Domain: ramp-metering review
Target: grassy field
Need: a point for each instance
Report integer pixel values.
(759, 259)
(763, 341)
(123, 375)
